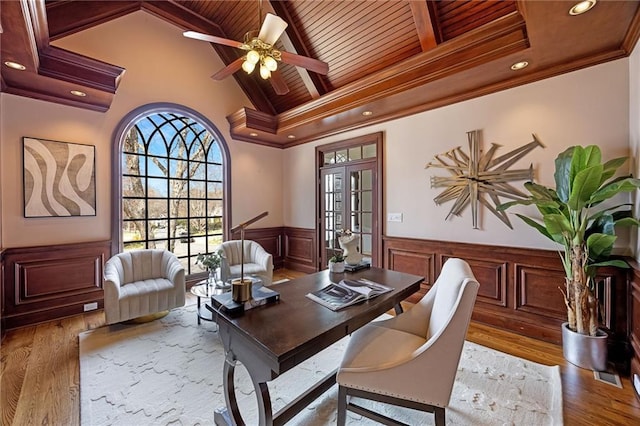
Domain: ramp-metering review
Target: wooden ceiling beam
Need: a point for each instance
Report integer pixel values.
(66, 18)
(426, 24)
(292, 41)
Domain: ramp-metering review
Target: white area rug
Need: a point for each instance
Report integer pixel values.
(169, 372)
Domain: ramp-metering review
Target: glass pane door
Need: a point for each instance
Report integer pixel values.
(361, 196)
(333, 210)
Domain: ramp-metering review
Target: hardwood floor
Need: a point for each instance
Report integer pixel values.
(40, 375)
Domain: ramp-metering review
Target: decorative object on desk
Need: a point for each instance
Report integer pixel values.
(241, 287)
(573, 216)
(353, 268)
(211, 262)
(260, 295)
(349, 244)
(478, 174)
(347, 292)
(336, 263)
(492, 388)
(59, 178)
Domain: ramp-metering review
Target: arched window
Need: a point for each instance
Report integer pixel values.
(172, 169)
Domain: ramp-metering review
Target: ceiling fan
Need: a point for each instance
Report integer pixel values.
(261, 51)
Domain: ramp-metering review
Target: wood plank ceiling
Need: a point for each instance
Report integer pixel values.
(393, 58)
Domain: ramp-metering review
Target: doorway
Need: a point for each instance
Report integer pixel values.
(349, 196)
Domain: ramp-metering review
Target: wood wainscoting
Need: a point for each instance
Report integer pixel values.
(634, 327)
(49, 282)
(292, 248)
(300, 248)
(519, 288)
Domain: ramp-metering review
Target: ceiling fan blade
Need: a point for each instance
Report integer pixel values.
(272, 28)
(212, 39)
(278, 83)
(305, 62)
(229, 69)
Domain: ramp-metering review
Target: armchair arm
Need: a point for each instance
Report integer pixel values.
(113, 276)
(174, 271)
(263, 258)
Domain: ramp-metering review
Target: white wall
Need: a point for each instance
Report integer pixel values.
(161, 66)
(584, 107)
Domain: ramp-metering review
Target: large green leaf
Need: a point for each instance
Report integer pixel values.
(591, 156)
(562, 174)
(627, 184)
(540, 192)
(558, 224)
(610, 168)
(604, 224)
(600, 246)
(614, 262)
(585, 183)
(540, 227)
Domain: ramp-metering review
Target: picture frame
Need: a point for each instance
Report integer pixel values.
(59, 178)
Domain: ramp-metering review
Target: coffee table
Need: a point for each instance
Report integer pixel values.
(271, 339)
(203, 289)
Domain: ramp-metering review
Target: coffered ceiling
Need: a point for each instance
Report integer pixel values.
(388, 58)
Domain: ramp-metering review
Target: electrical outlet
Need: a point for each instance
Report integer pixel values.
(90, 306)
(394, 217)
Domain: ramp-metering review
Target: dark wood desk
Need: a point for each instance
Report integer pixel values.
(269, 340)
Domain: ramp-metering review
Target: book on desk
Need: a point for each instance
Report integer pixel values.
(260, 295)
(347, 292)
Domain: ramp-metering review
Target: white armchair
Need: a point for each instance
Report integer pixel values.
(411, 360)
(142, 282)
(257, 261)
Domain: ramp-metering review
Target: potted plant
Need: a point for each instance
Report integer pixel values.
(211, 262)
(336, 263)
(575, 216)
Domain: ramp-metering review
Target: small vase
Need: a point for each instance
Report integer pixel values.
(336, 267)
(213, 273)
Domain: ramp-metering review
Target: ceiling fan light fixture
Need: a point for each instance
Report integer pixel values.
(270, 63)
(253, 57)
(248, 66)
(264, 72)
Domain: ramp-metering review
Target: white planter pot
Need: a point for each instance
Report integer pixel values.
(583, 350)
(336, 266)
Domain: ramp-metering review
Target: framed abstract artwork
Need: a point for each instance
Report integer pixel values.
(59, 178)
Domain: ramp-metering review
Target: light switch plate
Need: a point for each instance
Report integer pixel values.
(394, 217)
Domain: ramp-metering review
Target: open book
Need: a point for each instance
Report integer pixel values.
(347, 292)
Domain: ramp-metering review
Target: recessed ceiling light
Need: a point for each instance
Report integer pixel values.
(519, 65)
(367, 113)
(253, 134)
(582, 7)
(78, 93)
(15, 65)
(291, 136)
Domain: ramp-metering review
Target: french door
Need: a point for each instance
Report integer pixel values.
(350, 197)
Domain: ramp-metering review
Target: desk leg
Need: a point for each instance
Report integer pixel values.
(198, 312)
(398, 309)
(223, 417)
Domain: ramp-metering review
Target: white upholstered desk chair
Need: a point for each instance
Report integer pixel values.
(138, 283)
(257, 261)
(411, 360)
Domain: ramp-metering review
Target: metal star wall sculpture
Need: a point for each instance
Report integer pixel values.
(479, 176)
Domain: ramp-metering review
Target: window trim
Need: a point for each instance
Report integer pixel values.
(119, 134)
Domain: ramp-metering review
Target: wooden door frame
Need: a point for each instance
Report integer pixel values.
(372, 138)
